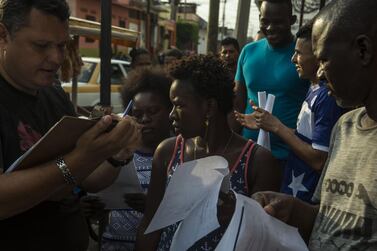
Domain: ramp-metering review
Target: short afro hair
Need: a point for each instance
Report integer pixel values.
(153, 80)
(209, 77)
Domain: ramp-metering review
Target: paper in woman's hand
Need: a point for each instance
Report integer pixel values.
(194, 186)
(127, 182)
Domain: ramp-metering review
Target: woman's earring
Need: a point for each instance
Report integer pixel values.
(206, 134)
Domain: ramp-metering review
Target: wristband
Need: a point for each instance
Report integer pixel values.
(68, 177)
(118, 163)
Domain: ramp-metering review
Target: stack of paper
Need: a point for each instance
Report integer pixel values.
(267, 105)
(191, 197)
(252, 229)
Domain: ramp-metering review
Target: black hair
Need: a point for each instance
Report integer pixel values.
(135, 52)
(305, 31)
(351, 17)
(173, 52)
(287, 2)
(147, 80)
(15, 13)
(209, 77)
(231, 41)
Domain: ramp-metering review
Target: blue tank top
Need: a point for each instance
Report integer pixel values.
(239, 184)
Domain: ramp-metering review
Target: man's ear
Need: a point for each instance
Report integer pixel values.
(3, 35)
(212, 107)
(365, 50)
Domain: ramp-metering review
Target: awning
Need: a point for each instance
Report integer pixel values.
(91, 29)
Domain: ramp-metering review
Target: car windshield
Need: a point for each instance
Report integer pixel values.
(86, 72)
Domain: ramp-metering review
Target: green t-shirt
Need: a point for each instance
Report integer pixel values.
(263, 68)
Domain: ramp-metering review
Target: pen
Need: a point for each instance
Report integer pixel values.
(128, 108)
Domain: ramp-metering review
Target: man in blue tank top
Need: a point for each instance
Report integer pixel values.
(266, 65)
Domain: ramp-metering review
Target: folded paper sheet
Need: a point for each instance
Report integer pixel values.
(252, 229)
(191, 197)
(264, 137)
(200, 222)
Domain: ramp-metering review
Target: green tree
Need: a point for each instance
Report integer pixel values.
(187, 35)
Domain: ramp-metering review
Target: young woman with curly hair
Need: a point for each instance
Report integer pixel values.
(202, 97)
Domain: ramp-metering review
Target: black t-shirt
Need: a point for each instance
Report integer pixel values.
(23, 120)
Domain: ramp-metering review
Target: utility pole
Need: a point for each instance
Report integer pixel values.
(148, 27)
(242, 22)
(223, 29)
(173, 6)
(105, 53)
(322, 4)
(185, 11)
(213, 26)
(302, 12)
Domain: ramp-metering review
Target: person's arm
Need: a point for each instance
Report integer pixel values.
(264, 172)
(106, 173)
(22, 189)
(240, 95)
(156, 190)
(239, 106)
(313, 157)
(289, 210)
(101, 178)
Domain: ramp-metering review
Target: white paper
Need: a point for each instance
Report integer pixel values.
(270, 103)
(127, 182)
(229, 238)
(193, 185)
(262, 97)
(225, 184)
(200, 222)
(264, 137)
(255, 230)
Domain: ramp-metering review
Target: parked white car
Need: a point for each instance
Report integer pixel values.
(88, 90)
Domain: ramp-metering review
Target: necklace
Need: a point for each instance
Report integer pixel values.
(225, 148)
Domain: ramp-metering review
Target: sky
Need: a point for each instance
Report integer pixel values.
(230, 13)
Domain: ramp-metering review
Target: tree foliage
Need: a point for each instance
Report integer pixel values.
(187, 35)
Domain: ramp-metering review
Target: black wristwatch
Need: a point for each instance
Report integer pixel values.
(118, 163)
